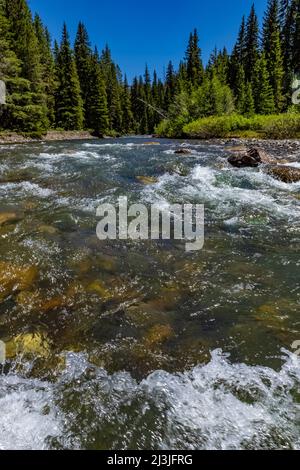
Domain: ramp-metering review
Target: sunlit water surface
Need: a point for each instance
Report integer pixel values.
(124, 345)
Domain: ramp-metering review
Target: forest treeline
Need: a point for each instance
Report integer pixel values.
(59, 85)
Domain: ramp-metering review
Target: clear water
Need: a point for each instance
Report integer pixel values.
(139, 344)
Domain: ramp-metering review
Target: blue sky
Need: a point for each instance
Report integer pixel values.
(153, 32)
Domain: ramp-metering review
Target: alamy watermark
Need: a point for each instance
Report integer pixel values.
(2, 92)
(136, 222)
(296, 89)
(2, 353)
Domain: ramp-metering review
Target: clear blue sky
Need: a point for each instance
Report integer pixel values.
(154, 31)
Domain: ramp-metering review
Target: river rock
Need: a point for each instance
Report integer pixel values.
(287, 174)
(147, 179)
(252, 157)
(8, 217)
(158, 334)
(183, 151)
(30, 344)
(15, 278)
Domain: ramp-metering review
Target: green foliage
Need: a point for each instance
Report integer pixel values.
(262, 89)
(271, 126)
(98, 111)
(69, 106)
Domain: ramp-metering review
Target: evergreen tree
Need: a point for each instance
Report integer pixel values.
(48, 66)
(194, 66)
(238, 56)
(251, 44)
(69, 106)
(296, 38)
(240, 89)
(170, 86)
(249, 105)
(273, 53)
(113, 89)
(25, 45)
(127, 122)
(98, 111)
(262, 90)
(83, 58)
(12, 113)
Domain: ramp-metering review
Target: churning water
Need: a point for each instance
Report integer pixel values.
(122, 345)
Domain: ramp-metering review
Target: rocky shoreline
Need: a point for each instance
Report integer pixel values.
(14, 138)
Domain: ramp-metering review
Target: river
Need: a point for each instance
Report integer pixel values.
(139, 344)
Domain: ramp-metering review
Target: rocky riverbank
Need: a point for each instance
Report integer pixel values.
(14, 138)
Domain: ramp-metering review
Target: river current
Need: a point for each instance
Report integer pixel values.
(138, 344)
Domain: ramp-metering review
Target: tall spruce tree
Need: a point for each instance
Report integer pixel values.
(83, 58)
(251, 44)
(69, 106)
(127, 116)
(48, 66)
(194, 66)
(273, 53)
(238, 57)
(170, 86)
(262, 90)
(98, 111)
(24, 44)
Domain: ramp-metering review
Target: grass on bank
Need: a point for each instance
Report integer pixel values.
(281, 126)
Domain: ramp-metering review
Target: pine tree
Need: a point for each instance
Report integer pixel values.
(10, 68)
(273, 53)
(194, 66)
(69, 106)
(98, 111)
(262, 90)
(127, 121)
(296, 38)
(249, 105)
(48, 66)
(170, 86)
(111, 76)
(83, 58)
(24, 44)
(251, 44)
(240, 89)
(238, 56)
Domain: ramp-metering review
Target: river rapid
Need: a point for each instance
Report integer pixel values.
(139, 344)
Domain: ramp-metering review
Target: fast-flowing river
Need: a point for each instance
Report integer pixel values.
(139, 344)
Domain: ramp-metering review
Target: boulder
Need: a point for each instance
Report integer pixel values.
(287, 174)
(183, 151)
(252, 157)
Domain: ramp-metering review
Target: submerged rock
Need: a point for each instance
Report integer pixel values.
(147, 179)
(99, 288)
(158, 334)
(287, 174)
(8, 217)
(15, 278)
(183, 151)
(33, 344)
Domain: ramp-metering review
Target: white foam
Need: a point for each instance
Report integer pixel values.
(220, 405)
